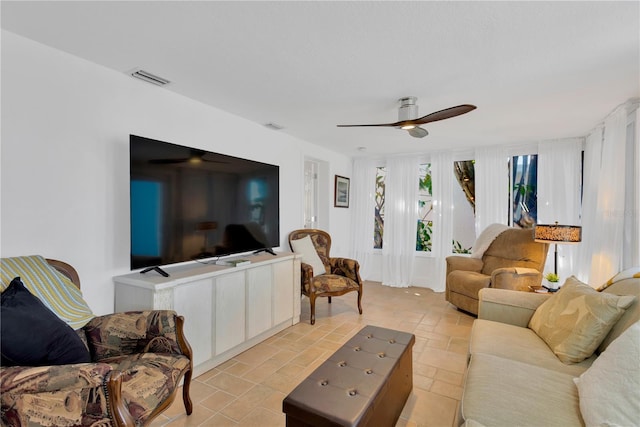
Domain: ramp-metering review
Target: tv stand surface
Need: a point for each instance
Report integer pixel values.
(227, 309)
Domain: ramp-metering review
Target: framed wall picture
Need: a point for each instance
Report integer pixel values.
(341, 192)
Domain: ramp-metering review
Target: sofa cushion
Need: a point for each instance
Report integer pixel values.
(333, 283)
(617, 371)
(627, 286)
(309, 254)
(519, 344)
(503, 392)
(514, 248)
(610, 390)
(70, 395)
(132, 332)
(51, 287)
(467, 283)
(32, 335)
(575, 320)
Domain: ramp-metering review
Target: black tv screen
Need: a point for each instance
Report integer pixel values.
(189, 204)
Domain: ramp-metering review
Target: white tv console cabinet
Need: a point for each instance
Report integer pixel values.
(227, 310)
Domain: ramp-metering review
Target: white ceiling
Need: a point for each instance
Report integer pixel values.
(536, 70)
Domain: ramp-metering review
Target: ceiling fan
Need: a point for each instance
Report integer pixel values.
(408, 120)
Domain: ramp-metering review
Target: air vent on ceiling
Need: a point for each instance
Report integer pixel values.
(273, 126)
(148, 77)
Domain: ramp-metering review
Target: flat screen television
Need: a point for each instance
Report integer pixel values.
(191, 204)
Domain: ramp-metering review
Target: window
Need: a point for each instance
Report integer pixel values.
(464, 207)
(523, 201)
(524, 192)
(425, 202)
(379, 209)
(425, 209)
(464, 223)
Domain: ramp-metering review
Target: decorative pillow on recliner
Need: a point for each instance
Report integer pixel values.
(51, 287)
(309, 254)
(32, 335)
(574, 321)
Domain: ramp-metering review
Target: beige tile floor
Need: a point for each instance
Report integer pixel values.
(248, 389)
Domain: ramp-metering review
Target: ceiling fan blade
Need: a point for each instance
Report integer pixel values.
(418, 132)
(447, 113)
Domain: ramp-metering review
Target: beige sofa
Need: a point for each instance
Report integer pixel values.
(515, 378)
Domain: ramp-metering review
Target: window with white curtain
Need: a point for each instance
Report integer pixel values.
(379, 208)
(522, 200)
(464, 207)
(425, 208)
(524, 190)
(424, 242)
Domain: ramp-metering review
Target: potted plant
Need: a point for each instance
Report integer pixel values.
(551, 281)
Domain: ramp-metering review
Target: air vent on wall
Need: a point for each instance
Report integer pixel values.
(148, 77)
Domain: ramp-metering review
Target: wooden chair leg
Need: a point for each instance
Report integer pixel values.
(312, 301)
(329, 300)
(186, 385)
(360, 302)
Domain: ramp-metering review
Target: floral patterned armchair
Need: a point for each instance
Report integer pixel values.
(338, 277)
(138, 359)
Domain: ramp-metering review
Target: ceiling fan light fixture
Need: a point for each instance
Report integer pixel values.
(418, 132)
(408, 127)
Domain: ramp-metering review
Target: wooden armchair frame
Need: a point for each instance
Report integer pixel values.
(342, 274)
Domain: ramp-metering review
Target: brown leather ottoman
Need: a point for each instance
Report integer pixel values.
(366, 382)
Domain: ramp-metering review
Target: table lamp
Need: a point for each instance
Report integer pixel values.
(555, 233)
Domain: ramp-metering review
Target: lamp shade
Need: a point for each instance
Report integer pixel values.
(556, 233)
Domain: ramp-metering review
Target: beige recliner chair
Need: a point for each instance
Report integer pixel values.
(512, 261)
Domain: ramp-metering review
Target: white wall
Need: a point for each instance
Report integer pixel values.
(65, 161)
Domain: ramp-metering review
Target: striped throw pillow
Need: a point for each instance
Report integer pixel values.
(51, 287)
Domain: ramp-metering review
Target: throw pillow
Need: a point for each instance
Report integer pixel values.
(310, 256)
(609, 390)
(54, 289)
(32, 335)
(575, 320)
(633, 272)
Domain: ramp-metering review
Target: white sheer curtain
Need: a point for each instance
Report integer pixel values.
(603, 250)
(559, 182)
(632, 220)
(363, 188)
(491, 187)
(442, 178)
(590, 177)
(400, 221)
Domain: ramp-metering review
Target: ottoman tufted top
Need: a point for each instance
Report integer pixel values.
(342, 391)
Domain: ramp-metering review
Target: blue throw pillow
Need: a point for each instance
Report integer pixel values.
(32, 335)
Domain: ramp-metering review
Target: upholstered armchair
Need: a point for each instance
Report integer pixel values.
(512, 261)
(136, 362)
(322, 275)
